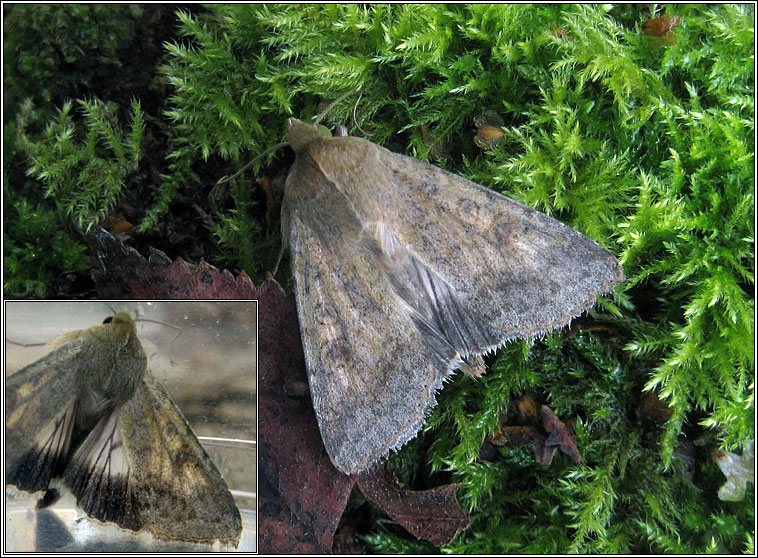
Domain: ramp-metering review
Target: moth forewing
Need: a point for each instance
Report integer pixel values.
(403, 272)
(38, 433)
(90, 413)
(194, 504)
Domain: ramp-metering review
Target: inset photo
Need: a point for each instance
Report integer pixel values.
(130, 426)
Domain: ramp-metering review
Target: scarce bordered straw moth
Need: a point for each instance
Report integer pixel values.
(90, 414)
(404, 273)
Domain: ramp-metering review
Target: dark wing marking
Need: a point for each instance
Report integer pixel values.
(33, 470)
(99, 476)
(40, 408)
(179, 492)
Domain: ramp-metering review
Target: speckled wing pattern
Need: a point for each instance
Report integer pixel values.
(165, 452)
(361, 371)
(402, 271)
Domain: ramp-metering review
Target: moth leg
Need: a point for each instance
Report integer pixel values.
(50, 496)
(285, 234)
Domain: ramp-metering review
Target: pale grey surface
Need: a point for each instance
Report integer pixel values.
(210, 372)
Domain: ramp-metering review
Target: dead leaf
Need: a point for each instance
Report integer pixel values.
(560, 434)
(660, 30)
(128, 275)
(544, 445)
(121, 226)
(659, 26)
(433, 515)
(525, 436)
(652, 409)
(301, 495)
(527, 407)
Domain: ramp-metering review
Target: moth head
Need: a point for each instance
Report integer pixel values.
(301, 134)
(123, 322)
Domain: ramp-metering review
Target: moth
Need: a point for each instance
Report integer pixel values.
(90, 414)
(404, 273)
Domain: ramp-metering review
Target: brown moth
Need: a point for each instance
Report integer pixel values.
(404, 273)
(92, 415)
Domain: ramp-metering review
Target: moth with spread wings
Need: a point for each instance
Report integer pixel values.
(91, 414)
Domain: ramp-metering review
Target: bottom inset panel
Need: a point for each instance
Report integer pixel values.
(125, 434)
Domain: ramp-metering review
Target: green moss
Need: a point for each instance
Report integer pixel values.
(84, 171)
(69, 160)
(38, 249)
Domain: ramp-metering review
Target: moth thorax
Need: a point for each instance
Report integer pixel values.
(301, 134)
(113, 374)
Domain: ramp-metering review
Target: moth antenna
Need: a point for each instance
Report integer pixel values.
(170, 358)
(248, 165)
(355, 120)
(24, 344)
(334, 104)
